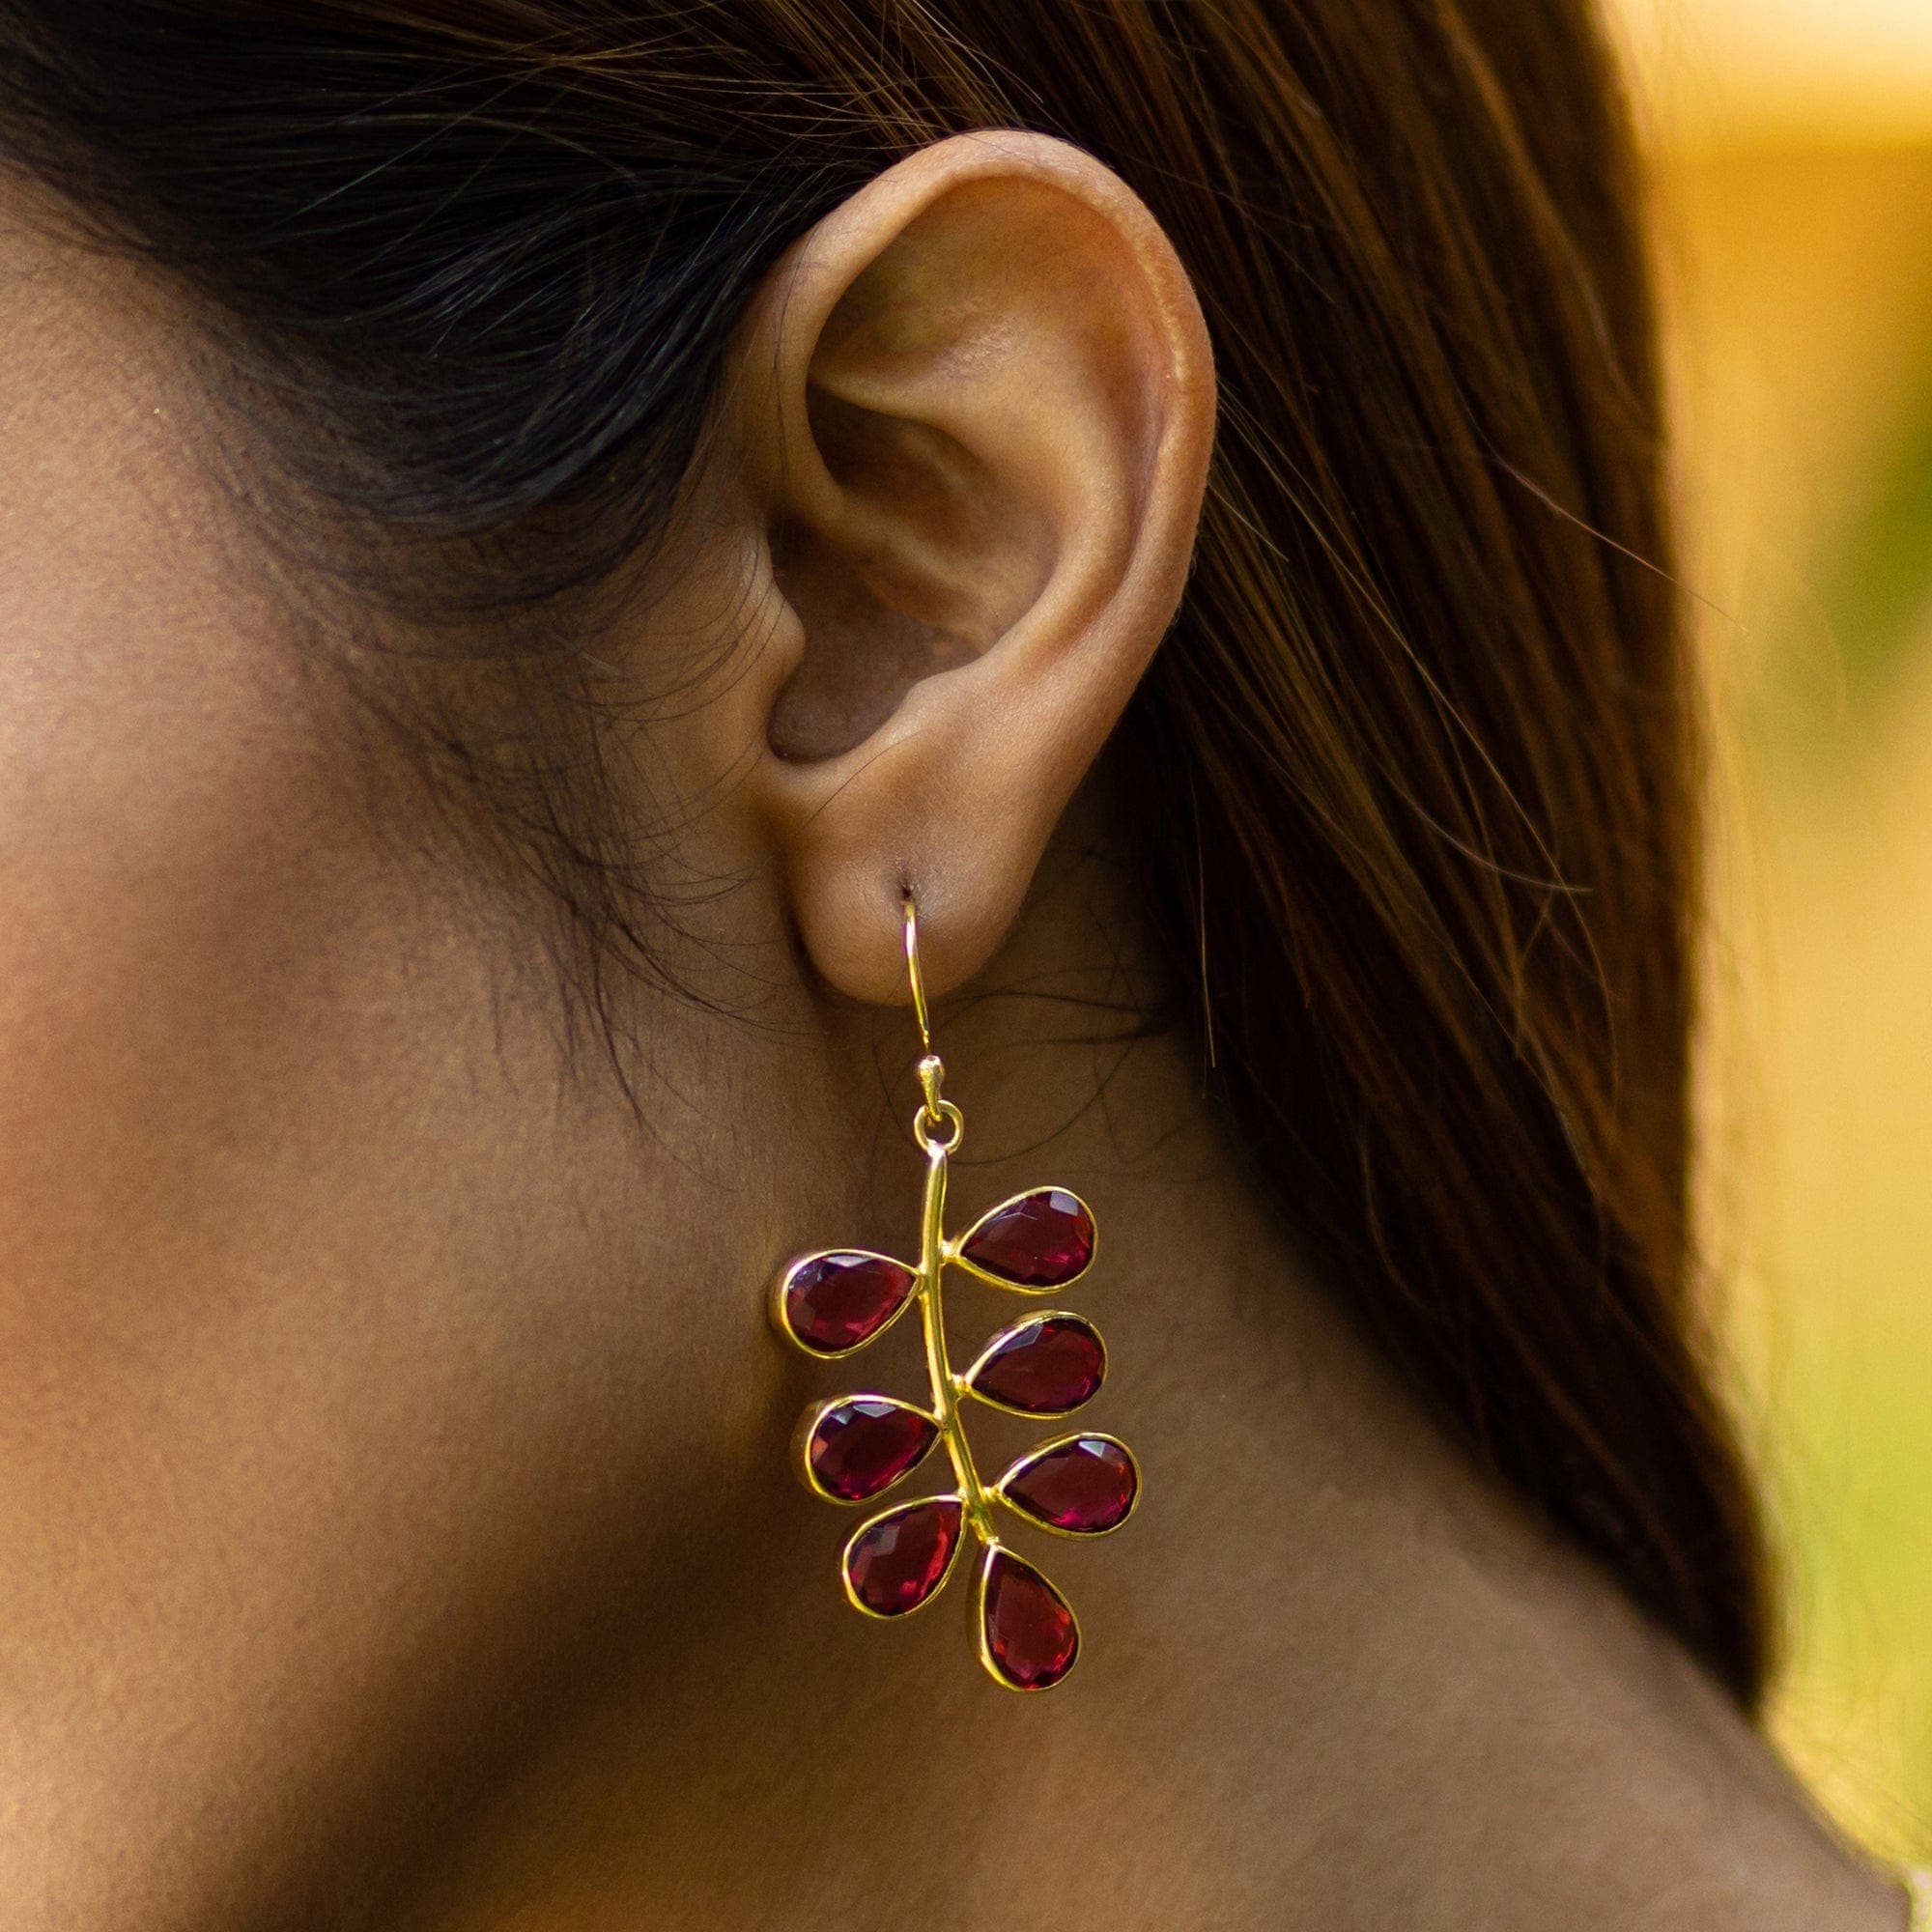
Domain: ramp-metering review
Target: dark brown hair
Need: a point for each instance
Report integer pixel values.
(1417, 817)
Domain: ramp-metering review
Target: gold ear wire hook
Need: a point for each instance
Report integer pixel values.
(936, 1112)
(914, 974)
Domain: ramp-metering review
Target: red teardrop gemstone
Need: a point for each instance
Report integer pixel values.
(1043, 1367)
(836, 1302)
(866, 1444)
(897, 1560)
(1083, 1486)
(1031, 1636)
(1042, 1239)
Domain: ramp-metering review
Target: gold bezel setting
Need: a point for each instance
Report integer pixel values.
(779, 1304)
(807, 1429)
(1005, 1338)
(1034, 1457)
(871, 1523)
(996, 1552)
(956, 1255)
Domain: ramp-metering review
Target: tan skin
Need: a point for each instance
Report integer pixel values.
(393, 1525)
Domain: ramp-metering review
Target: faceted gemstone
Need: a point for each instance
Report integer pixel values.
(1083, 1486)
(1045, 1366)
(836, 1302)
(866, 1444)
(1042, 1239)
(1031, 1637)
(899, 1559)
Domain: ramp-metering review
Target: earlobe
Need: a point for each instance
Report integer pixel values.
(974, 408)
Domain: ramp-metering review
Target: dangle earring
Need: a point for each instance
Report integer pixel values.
(855, 1447)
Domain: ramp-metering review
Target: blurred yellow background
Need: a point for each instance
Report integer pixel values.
(1793, 148)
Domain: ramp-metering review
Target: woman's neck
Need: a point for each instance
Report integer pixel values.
(1330, 1676)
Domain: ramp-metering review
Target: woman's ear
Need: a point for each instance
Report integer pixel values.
(972, 409)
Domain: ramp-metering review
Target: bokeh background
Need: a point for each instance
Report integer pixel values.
(1792, 143)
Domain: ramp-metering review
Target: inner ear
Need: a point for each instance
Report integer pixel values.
(932, 556)
(908, 583)
(967, 399)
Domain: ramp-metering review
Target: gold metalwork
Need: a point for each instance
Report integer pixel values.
(939, 1128)
(909, 921)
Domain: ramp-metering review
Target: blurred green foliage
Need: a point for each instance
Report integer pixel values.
(1799, 282)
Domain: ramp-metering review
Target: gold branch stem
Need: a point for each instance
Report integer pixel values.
(977, 1504)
